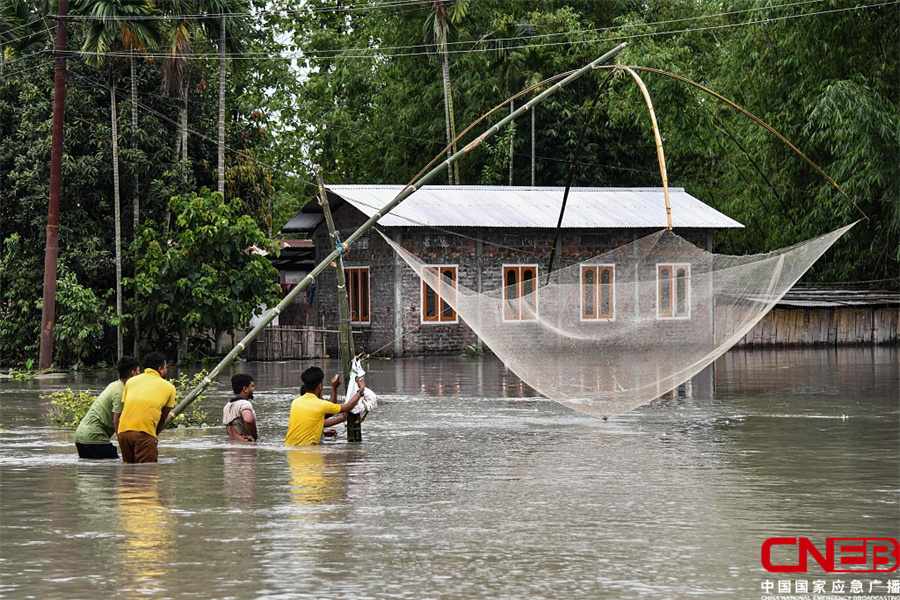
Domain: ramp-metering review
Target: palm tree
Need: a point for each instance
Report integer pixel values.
(528, 63)
(115, 24)
(223, 26)
(447, 12)
(21, 32)
(179, 43)
(227, 30)
(521, 68)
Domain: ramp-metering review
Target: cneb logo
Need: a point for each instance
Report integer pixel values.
(842, 555)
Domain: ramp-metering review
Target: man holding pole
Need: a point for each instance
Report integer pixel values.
(102, 418)
(308, 411)
(147, 400)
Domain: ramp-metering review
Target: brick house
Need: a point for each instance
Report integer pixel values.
(485, 237)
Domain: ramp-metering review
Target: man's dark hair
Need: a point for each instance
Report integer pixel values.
(126, 365)
(154, 360)
(239, 382)
(311, 378)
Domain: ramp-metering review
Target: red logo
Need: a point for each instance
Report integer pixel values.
(842, 555)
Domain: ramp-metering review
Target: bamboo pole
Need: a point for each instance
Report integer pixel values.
(759, 121)
(354, 428)
(659, 147)
(407, 191)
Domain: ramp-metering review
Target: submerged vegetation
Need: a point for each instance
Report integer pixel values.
(194, 416)
(371, 91)
(68, 407)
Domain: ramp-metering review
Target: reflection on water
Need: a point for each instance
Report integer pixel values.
(467, 485)
(147, 532)
(313, 481)
(240, 471)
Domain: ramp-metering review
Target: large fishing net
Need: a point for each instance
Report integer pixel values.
(615, 331)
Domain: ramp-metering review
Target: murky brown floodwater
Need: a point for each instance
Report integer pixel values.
(465, 486)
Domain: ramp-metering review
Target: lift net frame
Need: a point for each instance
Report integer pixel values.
(611, 333)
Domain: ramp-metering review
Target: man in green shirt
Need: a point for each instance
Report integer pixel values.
(102, 418)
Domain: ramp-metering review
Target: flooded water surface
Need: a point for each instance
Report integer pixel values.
(467, 485)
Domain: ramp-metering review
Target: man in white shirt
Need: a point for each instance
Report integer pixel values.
(238, 415)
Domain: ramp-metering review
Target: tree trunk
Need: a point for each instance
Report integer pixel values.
(441, 36)
(181, 143)
(183, 114)
(533, 153)
(134, 140)
(512, 143)
(222, 106)
(136, 199)
(182, 349)
(117, 212)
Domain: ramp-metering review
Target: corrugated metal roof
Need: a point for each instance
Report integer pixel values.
(832, 297)
(533, 207)
(303, 223)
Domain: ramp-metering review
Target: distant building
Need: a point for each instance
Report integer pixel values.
(294, 262)
(485, 238)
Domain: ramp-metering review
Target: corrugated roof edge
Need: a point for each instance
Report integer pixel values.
(500, 188)
(309, 220)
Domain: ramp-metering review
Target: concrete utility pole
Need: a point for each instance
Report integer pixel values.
(354, 425)
(48, 310)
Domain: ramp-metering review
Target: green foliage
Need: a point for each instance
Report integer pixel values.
(68, 407)
(80, 320)
(826, 79)
(80, 314)
(153, 172)
(20, 319)
(471, 351)
(24, 375)
(194, 416)
(113, 23)
(366, 100)
(204, 274)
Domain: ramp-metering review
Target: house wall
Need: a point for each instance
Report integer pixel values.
(479, 255)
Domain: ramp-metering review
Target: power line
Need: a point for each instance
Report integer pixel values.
(583, 31)
(378, 53)
(122, 95)
(29, 24)
(422, 4)
(353, 128)
(39, 65)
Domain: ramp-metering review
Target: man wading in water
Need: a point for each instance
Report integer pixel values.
(238, 415)
(308, 411)
(102, 418)
(147, 400)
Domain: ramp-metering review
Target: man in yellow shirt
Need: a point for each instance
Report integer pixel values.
(147, 400)
(309, 410)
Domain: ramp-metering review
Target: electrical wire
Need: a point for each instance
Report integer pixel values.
(124, 96)
(379, 53)
(23, 25)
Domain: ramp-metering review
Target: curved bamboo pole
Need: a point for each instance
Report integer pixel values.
(747, 113)
(407, 191)
(659, 147)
